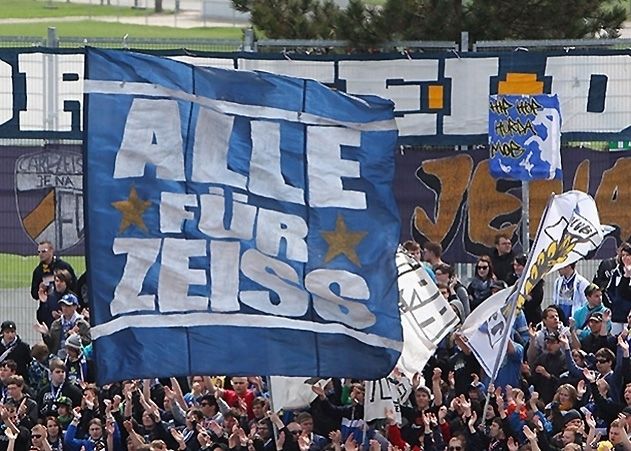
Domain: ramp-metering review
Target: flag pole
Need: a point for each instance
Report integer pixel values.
(271, 407)
(525, 216)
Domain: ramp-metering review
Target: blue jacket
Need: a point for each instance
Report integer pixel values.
(75, 443)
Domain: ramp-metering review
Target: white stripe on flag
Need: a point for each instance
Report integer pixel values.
(194, 319)
(224, 107)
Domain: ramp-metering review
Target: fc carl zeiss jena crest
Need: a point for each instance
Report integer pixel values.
(49, 196)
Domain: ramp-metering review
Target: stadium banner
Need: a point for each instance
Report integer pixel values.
(525, 137)
(450, 197)
(41, 193)
(443, 196)
(239, 222)
(439, 98)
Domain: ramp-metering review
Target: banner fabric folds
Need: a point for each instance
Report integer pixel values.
(238, 223)
(569, 229)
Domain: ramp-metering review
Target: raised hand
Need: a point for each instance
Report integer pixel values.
(581, 388)
(436, 375)
(531, 435)
(589, 375)
(335, 437)
(473, 419)
(350, 444)
(41, 328)
(512, 444)
(318, 391)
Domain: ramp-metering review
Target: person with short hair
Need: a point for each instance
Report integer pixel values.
(27, 410)
(43, 274)
(502, 257)
(432, 253)
(69, 323)
(48, 397)
(13, 348)
(568, 292)
(619, 289)
(316, 442)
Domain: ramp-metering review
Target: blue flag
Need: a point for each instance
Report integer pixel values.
(525, 137)
(237, 223)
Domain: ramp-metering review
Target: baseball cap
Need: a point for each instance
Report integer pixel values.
(7, 325)
(596, 316)
(69, 299)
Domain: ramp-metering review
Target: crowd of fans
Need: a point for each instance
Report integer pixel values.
(565, 382)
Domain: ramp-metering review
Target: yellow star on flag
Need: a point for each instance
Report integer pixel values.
(132, 210)
(342, 241)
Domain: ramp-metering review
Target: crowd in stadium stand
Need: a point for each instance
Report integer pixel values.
(565, 382)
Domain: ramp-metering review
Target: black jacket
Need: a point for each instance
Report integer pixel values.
(42, 270)
(21, 355)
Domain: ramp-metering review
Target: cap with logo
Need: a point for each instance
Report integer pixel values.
(7, 325)
(69, 299)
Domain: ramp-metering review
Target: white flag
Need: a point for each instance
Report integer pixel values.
(484, 328)
(426, 316)
(381, 401)
(292, 393)
(568, 231)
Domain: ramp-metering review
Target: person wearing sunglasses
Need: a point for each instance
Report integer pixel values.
(479, 288)
(44, 271)
(39, 437)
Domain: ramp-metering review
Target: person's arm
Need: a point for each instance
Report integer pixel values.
(531, 436)
(136, 439)
(461, 343)
(71, 433)
(179, 396)
(531, 353)
(436, 390)
(571, 365)
(7, 421)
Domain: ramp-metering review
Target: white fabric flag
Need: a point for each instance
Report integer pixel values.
(381, 401)
(569, 229)
(292, 393)
(426, 316)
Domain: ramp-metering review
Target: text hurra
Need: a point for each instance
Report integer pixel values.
(152, 133)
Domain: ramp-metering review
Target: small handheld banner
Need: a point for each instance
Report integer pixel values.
(525, 137)
(237, 223)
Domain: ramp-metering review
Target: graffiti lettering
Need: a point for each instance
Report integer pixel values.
(463, 207)
(512, 127)
(510, 149)
(528, 107)
(500, 106)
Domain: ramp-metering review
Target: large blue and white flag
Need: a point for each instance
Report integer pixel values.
(525, 137)
(237, 223)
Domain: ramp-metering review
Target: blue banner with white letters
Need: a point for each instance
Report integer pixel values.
(237, 223)
(525, 137)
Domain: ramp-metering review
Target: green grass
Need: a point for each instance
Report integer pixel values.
(16, 271)
(92, 28)
(24, 9)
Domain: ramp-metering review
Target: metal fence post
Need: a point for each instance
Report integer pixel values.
(249, 41)
(464, 41)
(50, 81)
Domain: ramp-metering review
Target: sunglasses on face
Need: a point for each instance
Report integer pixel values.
(455, 448)
(36, 435)
(601, 361)
(482, 267)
